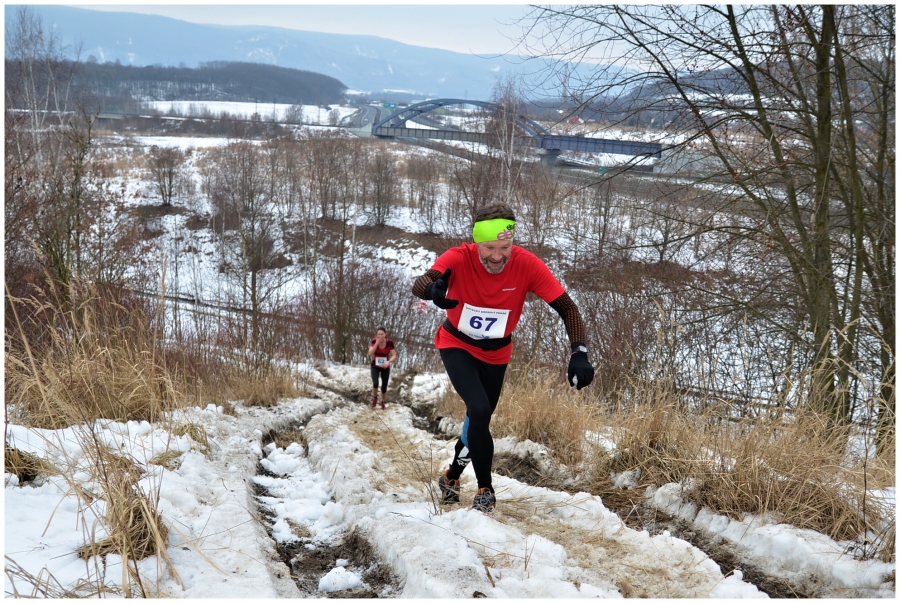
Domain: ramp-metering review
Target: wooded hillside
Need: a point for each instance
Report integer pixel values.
(219, 81)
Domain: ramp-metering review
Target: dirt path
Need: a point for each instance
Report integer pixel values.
(385, 480)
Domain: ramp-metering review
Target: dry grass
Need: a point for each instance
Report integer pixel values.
(450, 405)
(283, 439)
(95, 359)
(195, 432)
(796, 469)
(168, 459)
(546, 411)
(136, 529)
(44, 585)
(98, 360)
(265, 389)
(25, 466)
(134, 526)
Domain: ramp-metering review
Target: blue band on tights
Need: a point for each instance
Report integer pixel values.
(465, 432)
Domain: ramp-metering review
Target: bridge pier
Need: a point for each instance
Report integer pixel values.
(549, 157)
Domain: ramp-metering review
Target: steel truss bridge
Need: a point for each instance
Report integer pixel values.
(393, 126)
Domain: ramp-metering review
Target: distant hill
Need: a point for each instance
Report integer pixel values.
(370, 64)
(219, 81)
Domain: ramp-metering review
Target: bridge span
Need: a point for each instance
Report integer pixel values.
(535, 135)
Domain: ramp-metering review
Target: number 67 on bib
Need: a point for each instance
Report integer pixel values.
(483, 323)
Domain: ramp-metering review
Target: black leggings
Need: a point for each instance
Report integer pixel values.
(385, 374)
(478, 384)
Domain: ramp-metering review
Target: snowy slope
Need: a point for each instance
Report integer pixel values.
(370, 472)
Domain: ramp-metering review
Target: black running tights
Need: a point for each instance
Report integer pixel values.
(478, 384)
(384, 373)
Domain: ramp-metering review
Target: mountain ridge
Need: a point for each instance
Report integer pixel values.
(365, 63)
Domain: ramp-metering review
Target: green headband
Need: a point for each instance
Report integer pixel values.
(498, 229)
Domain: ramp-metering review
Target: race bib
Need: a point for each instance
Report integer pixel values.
(379, 361)
(483, 323)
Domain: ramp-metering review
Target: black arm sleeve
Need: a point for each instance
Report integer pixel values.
(421, 283)
(568, 311)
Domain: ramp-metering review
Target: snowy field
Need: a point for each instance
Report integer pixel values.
(312, 114)
(369, 471)
(192, 255)
(197, 252)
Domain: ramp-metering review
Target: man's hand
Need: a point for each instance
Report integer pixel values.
(580, 373)
(437, 292)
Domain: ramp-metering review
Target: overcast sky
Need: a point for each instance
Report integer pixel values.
(460, 27)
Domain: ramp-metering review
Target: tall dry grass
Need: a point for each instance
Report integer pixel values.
(796, 467)
(548, 411)
(262, 388)
(133, 526)
(88, 353)
(97, 358)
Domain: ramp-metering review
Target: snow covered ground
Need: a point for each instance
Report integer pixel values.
(232, 506)
(312, 114)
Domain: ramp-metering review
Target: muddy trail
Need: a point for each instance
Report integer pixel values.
(401, 452)
(387, 469)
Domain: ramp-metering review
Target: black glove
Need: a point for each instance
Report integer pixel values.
(437, 292)
(580, 373)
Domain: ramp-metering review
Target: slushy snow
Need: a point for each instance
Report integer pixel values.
(371, 471)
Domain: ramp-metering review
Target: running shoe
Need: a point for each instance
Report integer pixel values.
(374, 401)
(449, 489)
(485, 500)
(382, 405)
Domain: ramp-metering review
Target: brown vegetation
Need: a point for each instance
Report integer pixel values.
(792, 468)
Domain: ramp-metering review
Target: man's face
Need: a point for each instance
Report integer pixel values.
(494, 255)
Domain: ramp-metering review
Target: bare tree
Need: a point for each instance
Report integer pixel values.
(474, 181)
(240, 190)
(505, 134)
(793, 107)
(167, 168)
(294, 114)
(385, 183)
(325, 154)
(423, 180)
(44, 155)
(540, 200)
(39, 81)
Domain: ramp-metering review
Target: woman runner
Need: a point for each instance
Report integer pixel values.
(383, 355)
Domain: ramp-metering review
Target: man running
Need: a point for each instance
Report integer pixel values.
(483, 285)
(383, 355)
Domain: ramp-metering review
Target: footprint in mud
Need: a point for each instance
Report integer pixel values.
(347, 559)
